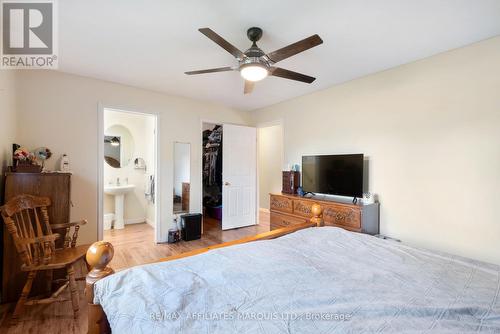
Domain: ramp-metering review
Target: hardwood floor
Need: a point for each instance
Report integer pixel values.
(133, 245)
(51, 318)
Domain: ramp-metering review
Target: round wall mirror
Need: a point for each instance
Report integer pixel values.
(118, 146)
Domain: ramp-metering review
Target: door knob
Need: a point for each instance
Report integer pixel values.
(227, 183)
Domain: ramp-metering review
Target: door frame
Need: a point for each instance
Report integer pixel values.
(200, 171)
(100, 166)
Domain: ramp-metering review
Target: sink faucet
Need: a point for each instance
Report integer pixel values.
(117, 181)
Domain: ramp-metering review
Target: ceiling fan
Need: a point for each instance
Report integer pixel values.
(254, 64)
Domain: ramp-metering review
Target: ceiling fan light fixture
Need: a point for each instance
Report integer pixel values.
(254, 64)
(253, 72)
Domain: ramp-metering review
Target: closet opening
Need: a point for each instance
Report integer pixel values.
(212, 176)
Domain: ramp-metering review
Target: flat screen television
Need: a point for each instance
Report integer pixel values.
(333, 174)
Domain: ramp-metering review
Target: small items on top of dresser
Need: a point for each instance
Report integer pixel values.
(291, 181)
(26, 161)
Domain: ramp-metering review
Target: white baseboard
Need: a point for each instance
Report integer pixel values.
(134, 221)
(150, 223)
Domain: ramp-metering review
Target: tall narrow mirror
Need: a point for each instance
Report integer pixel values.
(182, 175)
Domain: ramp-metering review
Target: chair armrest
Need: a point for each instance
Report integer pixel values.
(69, 241)
(66, 225)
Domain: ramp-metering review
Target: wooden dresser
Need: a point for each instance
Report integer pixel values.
(56, 186)
(289, 210)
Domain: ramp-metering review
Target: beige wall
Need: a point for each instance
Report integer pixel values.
(8, 122)
(270, 161)
(60, 111)
(141, 128)
(431, 131)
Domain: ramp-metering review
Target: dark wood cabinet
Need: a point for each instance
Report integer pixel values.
(56, 186)
(289, 210)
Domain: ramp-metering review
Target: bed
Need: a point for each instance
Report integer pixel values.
(300, 280)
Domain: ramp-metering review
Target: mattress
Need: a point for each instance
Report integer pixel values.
(316, 280)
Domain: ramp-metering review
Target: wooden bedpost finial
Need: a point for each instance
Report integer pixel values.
(317, 212)
(99, 255)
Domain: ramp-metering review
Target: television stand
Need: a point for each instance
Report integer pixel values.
(289, 210)
(354, 200)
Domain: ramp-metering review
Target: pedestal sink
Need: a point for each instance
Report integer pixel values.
(119, 191)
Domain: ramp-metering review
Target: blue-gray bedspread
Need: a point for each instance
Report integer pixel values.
(317, 280)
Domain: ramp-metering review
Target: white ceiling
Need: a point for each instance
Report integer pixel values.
(149, 44)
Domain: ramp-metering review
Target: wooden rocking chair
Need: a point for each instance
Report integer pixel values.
(27, 221)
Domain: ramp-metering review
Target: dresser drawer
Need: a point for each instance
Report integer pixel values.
(302, 208)
(342, 216)
(281, 203)
(279, 220)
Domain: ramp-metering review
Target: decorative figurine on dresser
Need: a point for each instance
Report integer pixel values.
(29, 162)
(54, 185)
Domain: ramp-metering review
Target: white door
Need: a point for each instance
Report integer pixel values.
(239, 175)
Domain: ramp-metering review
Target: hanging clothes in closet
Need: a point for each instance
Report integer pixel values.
(212, 167)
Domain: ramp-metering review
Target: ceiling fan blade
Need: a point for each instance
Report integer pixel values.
(210, 70)
(249, 85)
(282, 73)
(222, 42)
(295, 48)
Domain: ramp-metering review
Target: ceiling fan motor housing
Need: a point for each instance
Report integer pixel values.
(254, 55)
(259, 61)
(254, 34)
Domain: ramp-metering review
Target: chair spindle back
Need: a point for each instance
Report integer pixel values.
(28, 223)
